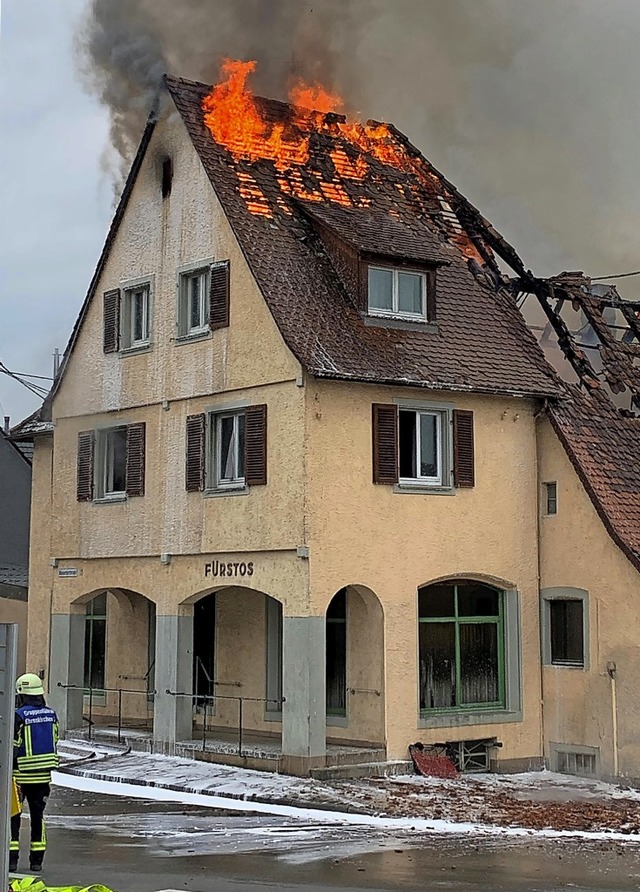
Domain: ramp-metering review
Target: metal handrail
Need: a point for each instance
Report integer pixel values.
(240, 700)
(118, 691)
(144, 677)
(206, 697)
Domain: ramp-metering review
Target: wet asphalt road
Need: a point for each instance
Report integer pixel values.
(140, 846)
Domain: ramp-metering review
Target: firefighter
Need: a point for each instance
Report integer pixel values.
(34, 756)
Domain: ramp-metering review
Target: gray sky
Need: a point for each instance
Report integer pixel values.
(529, 106)
(55, 201)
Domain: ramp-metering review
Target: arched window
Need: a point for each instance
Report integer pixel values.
(461, 646)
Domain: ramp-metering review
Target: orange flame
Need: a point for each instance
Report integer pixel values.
(234, 118)
(231, 114)
(314, 97)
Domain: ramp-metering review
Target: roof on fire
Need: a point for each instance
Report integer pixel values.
(479, 343)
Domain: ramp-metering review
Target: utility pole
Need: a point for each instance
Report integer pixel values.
(8, 663)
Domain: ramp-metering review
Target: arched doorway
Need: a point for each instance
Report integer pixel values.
(354, 667)
(237, 668)
(118, 659)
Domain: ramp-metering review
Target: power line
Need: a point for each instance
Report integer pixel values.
(618, 276)
(36, 389)
(41, 377)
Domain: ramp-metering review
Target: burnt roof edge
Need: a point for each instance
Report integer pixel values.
(601, 511)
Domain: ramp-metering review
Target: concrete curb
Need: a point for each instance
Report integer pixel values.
(176, 788)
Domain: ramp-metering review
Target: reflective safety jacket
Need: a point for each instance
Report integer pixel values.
(35, 744)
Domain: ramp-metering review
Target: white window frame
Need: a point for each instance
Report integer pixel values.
(129, 289)
(215, 480)
(395, 312)
(185, 275)
(104, 458)
(443, 417)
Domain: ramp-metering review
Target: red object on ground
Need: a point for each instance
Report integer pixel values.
(430, 764)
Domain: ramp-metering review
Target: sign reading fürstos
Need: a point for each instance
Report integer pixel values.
(229, 568)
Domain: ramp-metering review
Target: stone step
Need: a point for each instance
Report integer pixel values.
(356, 756)
(363, 769)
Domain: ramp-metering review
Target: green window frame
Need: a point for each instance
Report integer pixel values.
(446, 660)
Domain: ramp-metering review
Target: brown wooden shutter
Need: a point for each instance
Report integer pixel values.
(135, 459)
(431, 295)
(111, 338)
(385, 443)
(255, 445)
(219, 289)
(194, 467)
(463, 448)
(85, 466)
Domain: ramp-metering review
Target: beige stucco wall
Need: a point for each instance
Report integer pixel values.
(576, 551)
(13, 611)
(41, 574)
(320, 492)
(392, 543)
(118, 546)
(156, 237)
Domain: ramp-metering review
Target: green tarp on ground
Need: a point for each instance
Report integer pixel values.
(33, 884)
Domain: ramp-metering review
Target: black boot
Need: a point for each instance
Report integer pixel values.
(35, 861)
(13, 862)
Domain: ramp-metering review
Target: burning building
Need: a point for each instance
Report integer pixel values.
(310, 484)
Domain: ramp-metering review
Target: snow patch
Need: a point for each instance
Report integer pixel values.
(213, 800)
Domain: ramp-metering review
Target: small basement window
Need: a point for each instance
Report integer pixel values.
(581, 761)
(397, 292)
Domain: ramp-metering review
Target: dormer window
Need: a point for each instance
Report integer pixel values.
(397, 292)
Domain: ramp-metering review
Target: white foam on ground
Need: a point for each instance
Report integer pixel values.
(135, 791)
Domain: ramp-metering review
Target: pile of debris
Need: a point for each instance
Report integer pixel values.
(540, 801)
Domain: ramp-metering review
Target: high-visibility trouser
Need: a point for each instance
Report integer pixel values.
(36, 796)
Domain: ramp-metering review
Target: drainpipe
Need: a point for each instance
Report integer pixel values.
(611, 672)
(541, 412)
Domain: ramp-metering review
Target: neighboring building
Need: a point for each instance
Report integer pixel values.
(15, 503)
(589, 472)
(298, 442)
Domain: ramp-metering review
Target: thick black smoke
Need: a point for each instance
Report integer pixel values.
(528, 105)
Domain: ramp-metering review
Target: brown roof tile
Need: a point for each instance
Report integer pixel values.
(481, 342)
(604, 446)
